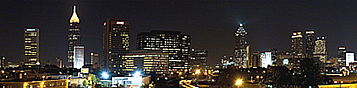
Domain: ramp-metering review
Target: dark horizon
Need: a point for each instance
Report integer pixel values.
(211, 24)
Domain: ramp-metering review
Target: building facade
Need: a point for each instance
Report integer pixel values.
(32, 45)
(146, 62)
(78, 61)
(59, 62)
(198, 57)
(341, 55)
(240, 49)
(173, 42)
(3, 62)
(296, 43)
(115, 44)
(74, 36)
(350, 57)
(320, 49)
(309, 43)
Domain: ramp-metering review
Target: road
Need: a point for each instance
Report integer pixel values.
(187, 84)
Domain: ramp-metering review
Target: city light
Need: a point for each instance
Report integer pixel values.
(197, 71)
(137, 74)
(105, 75)
(239, 82)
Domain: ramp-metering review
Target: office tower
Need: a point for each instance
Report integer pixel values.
(74, 36)
(309, 43)
(32, 45)
(240, 51)
(320, 49)
(173, 42)
(3, 62)
(256, 60)
(350, 57)
(198, 57)
(341, 55)
(274, 56)
(94, 58)
(58, 62)
(115, 44)
(146, 61)
(296, 43)
(266, 59)
(78, 60)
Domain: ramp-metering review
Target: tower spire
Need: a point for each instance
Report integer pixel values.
(74, 17)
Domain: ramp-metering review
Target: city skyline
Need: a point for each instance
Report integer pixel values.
(210, 24)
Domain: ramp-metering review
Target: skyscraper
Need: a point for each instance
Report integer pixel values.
(309, 43)
(173, 42)
(2, 62)
(94, 60)
(74, 36)
(341, 52)
(58, 62)
(78, 61)
(32, 45)
(320, 49)
(296, 43)
(198, 57)
(240, 51)
(115, 44)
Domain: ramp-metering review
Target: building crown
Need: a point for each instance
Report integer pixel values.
(74, 17)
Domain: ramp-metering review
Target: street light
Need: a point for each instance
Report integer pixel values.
(239, 82)
(105, 75)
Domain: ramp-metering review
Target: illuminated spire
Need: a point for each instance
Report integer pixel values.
(74, 17)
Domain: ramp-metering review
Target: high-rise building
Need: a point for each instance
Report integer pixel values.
(320, 49)
(266, 59)
(146, 61)
(94, 58)
(3, 62)
(341, 55)
(58, 62)
(198, 57)
(115, 44)
(309, 43)
(32, 45)
(256, 60)
(78, 60)
(240, 49)
(350, 57)
(173, 42)
(296, 43)
(74, 36)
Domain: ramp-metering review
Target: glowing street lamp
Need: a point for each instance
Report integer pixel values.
(105, 75)
(197, 71)
(239, 82)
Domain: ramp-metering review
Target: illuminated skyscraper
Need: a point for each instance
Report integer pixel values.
(32, 45)
(58, 62)
(94, 60)
(341, 55)
(296, 43)
(198, 57)
(78, 61)
(115, 44)
(3, 62)
(173, 42)
(309, 43)
(241, 45)
(74, 36)
(320, 49)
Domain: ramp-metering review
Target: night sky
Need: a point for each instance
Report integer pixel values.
(211, 24)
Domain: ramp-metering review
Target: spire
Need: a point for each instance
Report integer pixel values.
(74, 17)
